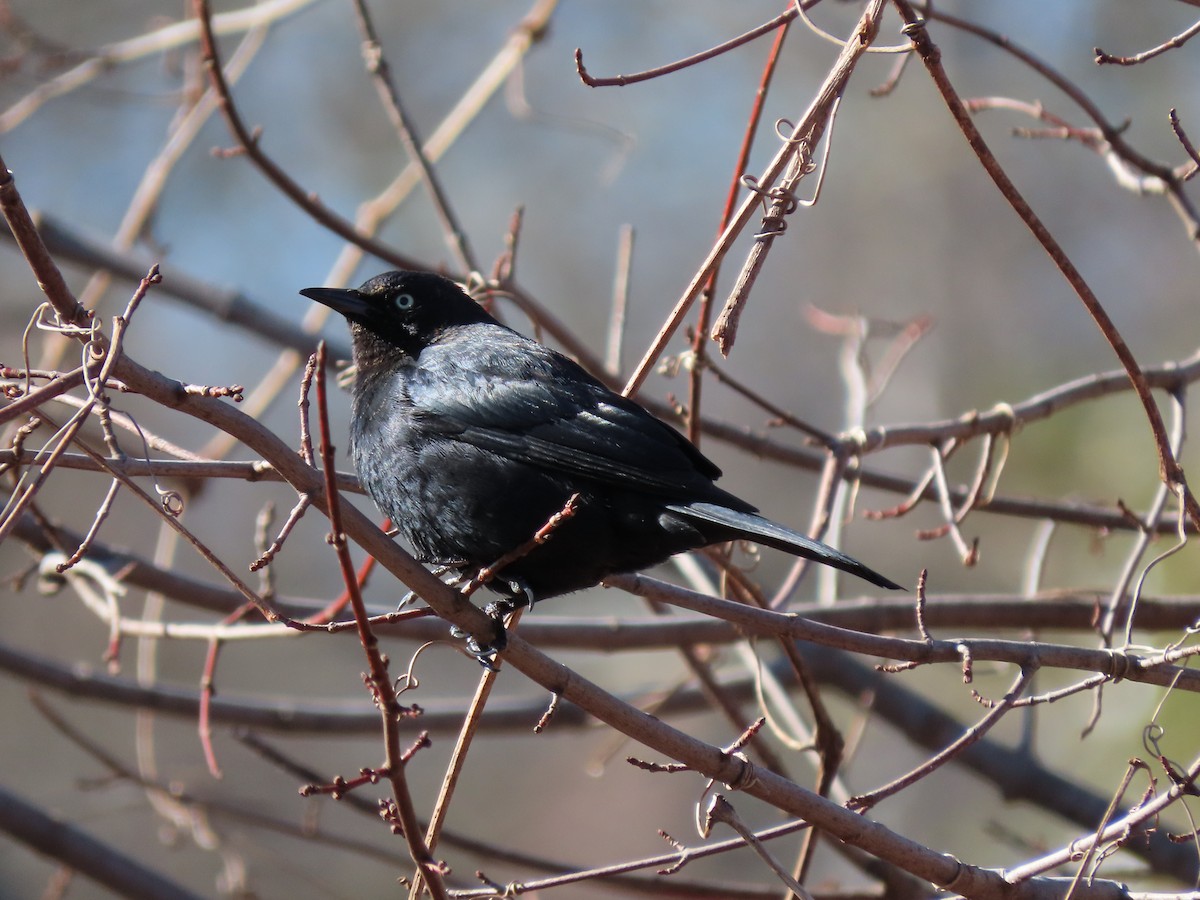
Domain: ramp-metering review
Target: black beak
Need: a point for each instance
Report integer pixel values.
(347, 301)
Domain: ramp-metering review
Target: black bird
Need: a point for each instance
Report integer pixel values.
(470, 436)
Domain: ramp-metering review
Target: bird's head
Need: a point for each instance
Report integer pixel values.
(399, 311)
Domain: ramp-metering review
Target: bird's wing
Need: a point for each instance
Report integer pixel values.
(518, 399)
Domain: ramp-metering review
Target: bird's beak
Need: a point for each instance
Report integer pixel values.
(347, 301)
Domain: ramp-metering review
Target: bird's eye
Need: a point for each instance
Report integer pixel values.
(404, 302)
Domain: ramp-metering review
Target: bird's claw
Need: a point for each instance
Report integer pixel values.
(497, 610)
(516, 588)
(485, 654)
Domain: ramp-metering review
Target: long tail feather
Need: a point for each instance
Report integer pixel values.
(756, 528)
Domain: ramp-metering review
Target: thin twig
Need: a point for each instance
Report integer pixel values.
(704, 314)
(248, 142)
(1178, 40)
(379, 680)
(971, 736)
(49, 278)
(377, 66)
(620, 302)
(470, 725)
(622, 80)
(1169, 469)
(832, 87)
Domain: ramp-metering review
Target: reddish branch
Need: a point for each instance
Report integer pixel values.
(704, 314)
(378, 679)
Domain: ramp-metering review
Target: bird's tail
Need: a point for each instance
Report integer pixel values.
(756, 528)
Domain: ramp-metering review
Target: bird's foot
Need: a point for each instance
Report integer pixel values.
(485, 654)
(498, 610)
(439, 571)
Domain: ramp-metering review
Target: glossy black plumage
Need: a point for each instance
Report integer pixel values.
(470, 436)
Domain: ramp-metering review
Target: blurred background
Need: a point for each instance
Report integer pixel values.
(907, 225)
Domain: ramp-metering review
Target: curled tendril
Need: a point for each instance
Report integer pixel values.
(408, 680)
(840, 42)
(783, 204)
(772, 227)
(774, 194)
(46, 318)
(785, 130)
(171, 502)
(774, 223)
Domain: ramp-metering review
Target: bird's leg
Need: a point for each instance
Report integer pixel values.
(497, 610)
